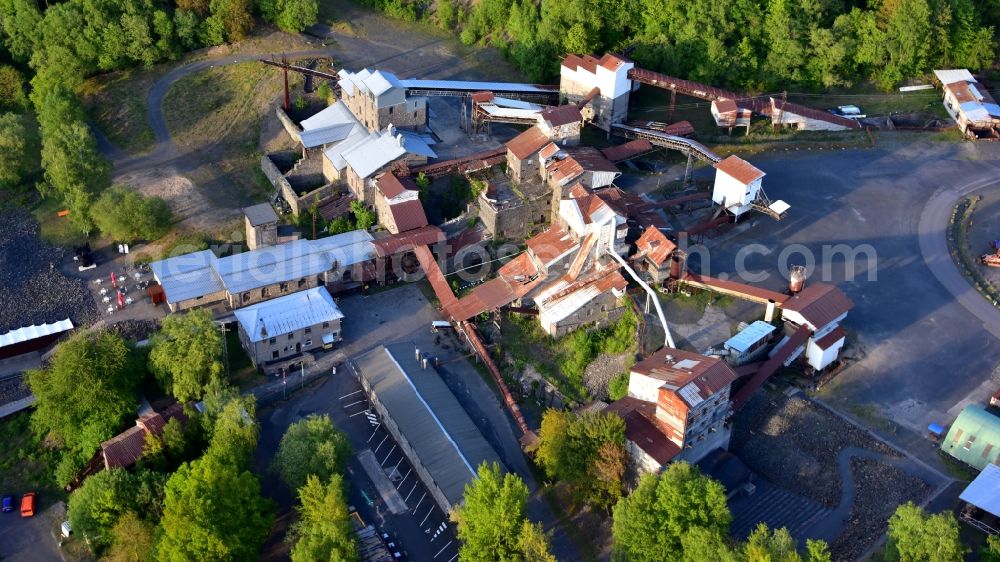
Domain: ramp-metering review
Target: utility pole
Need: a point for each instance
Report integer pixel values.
(288, 97)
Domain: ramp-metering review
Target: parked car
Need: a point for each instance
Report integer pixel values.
(28, 505)
(849, 111)
(8, 503)
(66, 529)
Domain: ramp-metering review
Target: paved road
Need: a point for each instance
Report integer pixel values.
(934, 248)
(924, 353)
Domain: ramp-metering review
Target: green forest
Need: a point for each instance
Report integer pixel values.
(750, 45)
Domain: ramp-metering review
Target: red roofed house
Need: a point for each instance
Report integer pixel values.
(561, 124)
(820, 308)
(728, 114)
(566, 166)
(522, 155)
(126, 448)
(397, 204)
(685, 396)
(654, 253)
(737, 184)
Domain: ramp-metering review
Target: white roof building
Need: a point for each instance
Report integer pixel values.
(381, 85)
(331, 125)
(29, 333)
(199, 274)
(377, 150)
(288, 314)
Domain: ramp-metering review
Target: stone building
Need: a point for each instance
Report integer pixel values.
(378, 100)
(561, 124)
(685, 397)
(202, 279)
(281, 330)
(580, 75)
(510, 211)
(398, 205)
(590, 301)
(654, 252)
(523, 164)
(261, 223)
(564, 167)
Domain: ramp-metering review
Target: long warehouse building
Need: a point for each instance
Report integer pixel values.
(432, 429)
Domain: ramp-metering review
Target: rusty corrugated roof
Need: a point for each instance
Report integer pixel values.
(562, 115)
(678, 368)
(427, 235)
(819, 304)
(391, 186)
(739, 169)
(641, 430)
(631, 149)
(655, 246)
(527, 143)
(550, 244)
(408, 215)
(835, 335)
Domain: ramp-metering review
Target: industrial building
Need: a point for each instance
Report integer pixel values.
(438, 437)
(969, 103)
(280, 331)
(202, 279)
(819, 308)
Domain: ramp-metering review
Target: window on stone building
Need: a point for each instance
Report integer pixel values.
(290, 336)
(265, 292)
(302, 282)
(272, 340)
(274, 354)
(283, 287)
(309, 330)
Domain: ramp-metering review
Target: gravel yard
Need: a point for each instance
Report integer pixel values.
(879, 489)
(600, 372)
(32, 289)
(794, 443)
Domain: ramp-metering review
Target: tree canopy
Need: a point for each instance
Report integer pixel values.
(651, 522)
(96, 507)
(587, 451)
(289, 15)
(493, 525)
(19, 162)
(916, 536)
(126, 215)
(235, 433)
(213, 511)
(323, 531)
(131, 540)
(87, 391)
(186, 354)
(311, 446)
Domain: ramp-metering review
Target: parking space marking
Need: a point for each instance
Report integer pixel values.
(380, 443)
(396, 468)
(415, 484)
(359, 413)
(350, 394)
(419, 502)
(391, 451)
(373, 433)
(453, 557)
(443, 548)
(400, 485)
(429, 511)
(353, 404)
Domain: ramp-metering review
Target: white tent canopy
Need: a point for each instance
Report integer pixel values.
(984, 491)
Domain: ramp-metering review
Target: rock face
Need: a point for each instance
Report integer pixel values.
(32, 289)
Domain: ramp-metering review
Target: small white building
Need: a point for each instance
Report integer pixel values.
(282, 329)
(820, 308)
(969, 103)
(728, 114)
(749, 343)
(737, 185)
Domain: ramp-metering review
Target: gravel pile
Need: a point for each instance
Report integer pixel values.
(13, 388)
(794, 443)
(134, 330)
(601, 370)
(32, 289)
(879, 489)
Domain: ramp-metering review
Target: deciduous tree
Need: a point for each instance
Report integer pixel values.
(186, 354)
(311, 446)
(492, 524)
(87, 391)
(213, 511)
(650, 523)
(18, 151)
(131, 540)
(916, 536)
(323, 531)
(124, 214)
(586, 451)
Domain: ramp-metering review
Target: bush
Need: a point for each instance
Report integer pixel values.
(126, 215)
(618, 387)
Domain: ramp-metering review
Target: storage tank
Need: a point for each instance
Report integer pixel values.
(796, 279)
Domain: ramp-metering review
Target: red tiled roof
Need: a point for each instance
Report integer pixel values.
(550, 244)
(612, 62)
(586, 62)
(527, 143)
(739, 169)
(516, 279)
(641, 430)
(427, 235)
(577, 161)
(408, 215)
(819, 304)
(390, 186)
(835, 335)
(655, 246)
(562, 115)
(124, 449)
(631, 149)
(678, 368)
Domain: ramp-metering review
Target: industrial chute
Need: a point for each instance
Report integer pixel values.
(668, 339)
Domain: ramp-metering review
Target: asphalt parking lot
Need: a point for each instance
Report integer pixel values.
(925, 355)
(31, 539)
